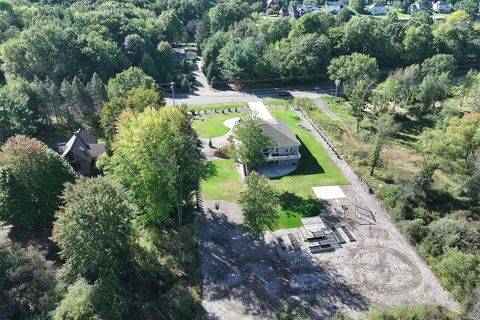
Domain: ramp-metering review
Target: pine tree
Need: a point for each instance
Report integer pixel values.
(42, 98)
(97, 92)
(54, 99)
(66, 106)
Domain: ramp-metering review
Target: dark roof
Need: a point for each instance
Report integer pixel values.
(280, 133)
(83, 145)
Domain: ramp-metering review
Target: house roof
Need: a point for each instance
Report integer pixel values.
(281, 133)
(275, 128)
(376, 5)
(83, 145)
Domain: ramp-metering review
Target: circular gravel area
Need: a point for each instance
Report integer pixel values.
(230, 123)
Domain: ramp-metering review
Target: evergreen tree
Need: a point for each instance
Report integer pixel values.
(66, 105)
(96, 91)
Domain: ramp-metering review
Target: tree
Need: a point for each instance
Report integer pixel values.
(102, 251)
(25, 277)
(386, 127)
(431, 90)
(34, 50)
(83, 301)
(438, 64)
(156, 158)
(17, 116)
(96, 91)
(259, 204)
(138, 99)
(356, 5)
(171, 27)
(353, 68)
(222, 16)
(469, 81)
(31, 181)
(357, 101)
(301, 57)
(274, 29)
(317, 23)
(240, 60)
(127, 80)
(418, 43)
(249, 141)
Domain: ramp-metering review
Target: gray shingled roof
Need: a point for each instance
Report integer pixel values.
(280, 133)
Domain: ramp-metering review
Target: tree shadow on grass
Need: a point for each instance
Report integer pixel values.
(292, 204)
(308, 163)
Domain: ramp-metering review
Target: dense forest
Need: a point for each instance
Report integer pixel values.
(240, 46)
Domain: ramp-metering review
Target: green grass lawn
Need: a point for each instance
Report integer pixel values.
(296, 197)
(218, 106)
(224, 183)
(212, 126)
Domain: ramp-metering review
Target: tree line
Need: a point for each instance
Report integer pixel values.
(240, 46)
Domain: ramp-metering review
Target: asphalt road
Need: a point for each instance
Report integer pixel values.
(218, 96)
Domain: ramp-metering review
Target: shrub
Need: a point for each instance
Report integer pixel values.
(414, 230)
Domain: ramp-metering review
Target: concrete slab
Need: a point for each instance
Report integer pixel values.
(328, 193)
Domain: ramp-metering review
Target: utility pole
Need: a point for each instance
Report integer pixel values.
(172, 86)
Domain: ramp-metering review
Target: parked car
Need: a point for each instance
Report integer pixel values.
(284, 94)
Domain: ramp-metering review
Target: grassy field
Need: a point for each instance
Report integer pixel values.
(218, 106)
(225, 182)
(212, 126)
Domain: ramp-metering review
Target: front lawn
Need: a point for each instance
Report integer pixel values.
(224, 183)
(296, 198)
(212, 126)
(315, 168)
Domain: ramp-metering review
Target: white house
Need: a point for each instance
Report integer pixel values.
(378, 9)
(415, 7)
(284, 153)
(442, 7)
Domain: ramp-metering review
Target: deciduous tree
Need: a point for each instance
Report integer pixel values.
(259, 204)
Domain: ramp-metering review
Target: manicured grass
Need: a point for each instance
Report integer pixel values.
(296, 198)
(212, 126)
(218, 106)
(278, 102)
(225, 182)
(315, 168)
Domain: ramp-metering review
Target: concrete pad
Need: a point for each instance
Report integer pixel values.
(262, 112)
(328, 193)
(230, 123)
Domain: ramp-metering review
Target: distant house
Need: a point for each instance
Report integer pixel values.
(271, 4)
(310, 8)
(377, 9)
(293, 11)
(81, 151)
(416, 7)
(333, 6)
(179, 55)
(191, 56)
(442, 7)
(284, 153)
